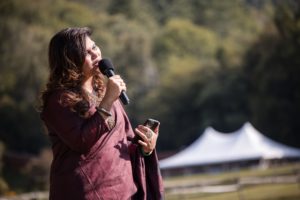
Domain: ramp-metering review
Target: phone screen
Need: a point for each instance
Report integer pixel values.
(152, 124)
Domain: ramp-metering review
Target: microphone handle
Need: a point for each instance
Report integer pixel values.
(123, 96)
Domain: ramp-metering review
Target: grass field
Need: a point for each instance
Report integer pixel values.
(260, 192)
(271, 191)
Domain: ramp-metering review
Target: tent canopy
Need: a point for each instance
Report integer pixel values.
(214, 147)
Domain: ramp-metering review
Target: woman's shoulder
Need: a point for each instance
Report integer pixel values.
(56, 101)
(55, 97)
(56, 94)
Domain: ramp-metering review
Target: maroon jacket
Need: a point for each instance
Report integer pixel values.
(90, 162)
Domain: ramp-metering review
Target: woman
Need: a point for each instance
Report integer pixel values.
(93, 157)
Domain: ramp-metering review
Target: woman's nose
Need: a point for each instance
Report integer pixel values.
(94, 54)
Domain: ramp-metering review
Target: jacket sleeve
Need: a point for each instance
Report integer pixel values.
(146, 173)
(78, 133)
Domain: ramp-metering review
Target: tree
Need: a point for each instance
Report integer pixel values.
(272, 65)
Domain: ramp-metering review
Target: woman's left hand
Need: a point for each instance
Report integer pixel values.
(149, 138)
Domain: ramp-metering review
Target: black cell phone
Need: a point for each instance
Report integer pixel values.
(151, 123)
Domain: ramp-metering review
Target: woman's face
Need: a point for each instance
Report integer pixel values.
(92, 58)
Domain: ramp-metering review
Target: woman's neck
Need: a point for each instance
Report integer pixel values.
(87, 85)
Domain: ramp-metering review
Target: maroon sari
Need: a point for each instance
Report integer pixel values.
(92, 162)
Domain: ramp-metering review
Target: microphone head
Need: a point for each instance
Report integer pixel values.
(104, 65)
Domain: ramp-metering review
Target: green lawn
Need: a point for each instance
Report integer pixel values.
(261, 192)
(288, 191)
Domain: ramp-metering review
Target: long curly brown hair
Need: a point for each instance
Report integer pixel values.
(66, 55)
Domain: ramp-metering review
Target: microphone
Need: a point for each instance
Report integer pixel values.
(107, 68)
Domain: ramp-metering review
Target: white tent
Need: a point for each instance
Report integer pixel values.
(214, 147)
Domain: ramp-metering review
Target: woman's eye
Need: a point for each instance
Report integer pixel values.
(94, 47)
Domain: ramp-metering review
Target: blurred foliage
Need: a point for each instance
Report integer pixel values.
(3, 184)
(273, 69)
(190, 64)
(37, 170)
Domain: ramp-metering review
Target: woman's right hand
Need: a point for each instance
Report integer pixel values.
(114, 86)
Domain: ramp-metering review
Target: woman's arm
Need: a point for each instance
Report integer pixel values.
(78, 133)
